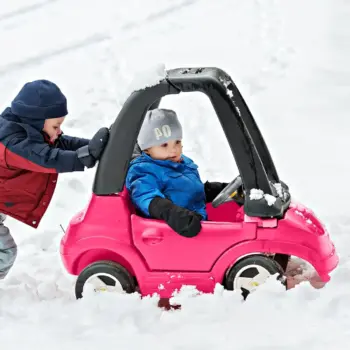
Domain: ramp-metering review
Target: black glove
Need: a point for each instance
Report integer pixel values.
(85, 158)
(98, 143)
(183, 221)
(90, 153)
(212, 189)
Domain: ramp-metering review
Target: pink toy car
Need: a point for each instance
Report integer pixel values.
(253, 228)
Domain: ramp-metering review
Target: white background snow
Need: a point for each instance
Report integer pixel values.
(291, 61)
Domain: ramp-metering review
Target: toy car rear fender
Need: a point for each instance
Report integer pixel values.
(127, 256)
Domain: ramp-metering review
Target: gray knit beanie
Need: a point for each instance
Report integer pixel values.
(159, 126)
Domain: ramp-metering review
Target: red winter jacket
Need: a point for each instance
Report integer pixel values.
(29, 168)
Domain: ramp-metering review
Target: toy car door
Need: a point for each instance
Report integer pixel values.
(165, 250)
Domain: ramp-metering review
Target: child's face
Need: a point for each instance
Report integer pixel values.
(167, 151)
(52, 127)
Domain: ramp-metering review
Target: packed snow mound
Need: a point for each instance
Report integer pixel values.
(143, 78)
(149, 77)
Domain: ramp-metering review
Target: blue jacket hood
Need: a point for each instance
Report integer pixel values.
(10, 124)
(165, 163)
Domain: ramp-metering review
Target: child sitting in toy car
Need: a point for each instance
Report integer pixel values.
(165, 184)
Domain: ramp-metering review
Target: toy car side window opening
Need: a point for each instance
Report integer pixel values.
(245, 140)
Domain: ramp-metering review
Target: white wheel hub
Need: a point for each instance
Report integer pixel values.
(250, 277)
(103, 282)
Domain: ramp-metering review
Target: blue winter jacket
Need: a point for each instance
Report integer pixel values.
(26, 142)
(148, 178)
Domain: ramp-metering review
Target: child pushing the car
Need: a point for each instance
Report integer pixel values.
(33, 151)
(165, 184)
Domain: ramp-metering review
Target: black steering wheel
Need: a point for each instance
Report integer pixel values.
(229, 193)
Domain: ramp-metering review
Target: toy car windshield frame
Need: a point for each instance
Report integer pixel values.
(248, 147)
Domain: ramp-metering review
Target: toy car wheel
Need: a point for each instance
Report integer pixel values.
(104, 276)
(250, 272)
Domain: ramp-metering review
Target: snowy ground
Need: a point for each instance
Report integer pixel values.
(290, 60)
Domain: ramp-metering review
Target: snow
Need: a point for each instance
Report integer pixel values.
(279, 189)
(256, 194)
(270, 199)
(229, 93)
(142, 78)
(293, 74)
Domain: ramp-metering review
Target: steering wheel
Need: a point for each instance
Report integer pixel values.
(228, 193)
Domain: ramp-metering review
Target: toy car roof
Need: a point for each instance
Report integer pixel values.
(248, 147)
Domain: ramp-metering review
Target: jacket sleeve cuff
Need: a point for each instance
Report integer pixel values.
(159, 207)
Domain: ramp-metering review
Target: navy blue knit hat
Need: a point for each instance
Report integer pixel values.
(39, 100)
